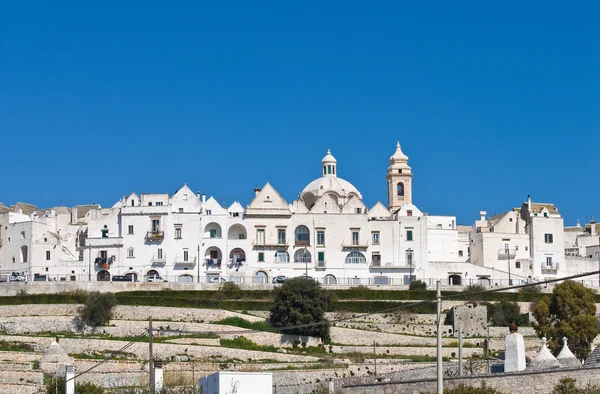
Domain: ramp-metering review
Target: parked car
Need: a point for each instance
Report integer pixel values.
(217, 279)
(156, 279)
(16, 277)
(122, 278)
(279, 279)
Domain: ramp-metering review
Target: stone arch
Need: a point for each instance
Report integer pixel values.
(261, 277)
(330, 280)
(103, 276)
(454, 280)
(237, 231)
(302, 256)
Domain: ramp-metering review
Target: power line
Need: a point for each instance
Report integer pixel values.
(110, 357)
(404, 306)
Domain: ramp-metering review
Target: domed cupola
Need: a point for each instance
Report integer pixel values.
(329, 164)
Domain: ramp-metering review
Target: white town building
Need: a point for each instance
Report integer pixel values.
(328, 233)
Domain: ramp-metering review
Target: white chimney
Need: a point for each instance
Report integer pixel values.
(482, 215)
(198, 194)
(203, 198)
(69, 379)
(592, 227)
(529, 202)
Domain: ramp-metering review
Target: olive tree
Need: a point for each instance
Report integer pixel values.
(300, 301)
(98, 308)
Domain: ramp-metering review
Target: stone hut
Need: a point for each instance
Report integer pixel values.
(566, 358)
(55, 359)
(544, 359)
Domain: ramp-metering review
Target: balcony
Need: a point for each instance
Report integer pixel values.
(321, 265)
(301, 243)
(104, 242)
(269, 245)
(549, 267)
(388, 266)
(155, 235)
(503, 255)
(212, 265)
(158, 261)
(355, 245)
(182, 262)
(104, 262)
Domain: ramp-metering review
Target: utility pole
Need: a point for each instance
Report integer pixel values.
(150, 356)
(440, 367)
(375, 357)
(507, 250)
(460, 351)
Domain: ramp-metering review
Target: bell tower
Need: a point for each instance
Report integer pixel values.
(399, 177)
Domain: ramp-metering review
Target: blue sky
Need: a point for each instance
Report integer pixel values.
(490, 102)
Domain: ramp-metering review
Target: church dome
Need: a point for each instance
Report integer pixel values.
(329, 182)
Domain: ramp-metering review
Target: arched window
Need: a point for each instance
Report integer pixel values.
(152, 274)
(282, 256)
(261, 277)
(355, 257)
(302, 256)
(454, 280)
(330, 280)
(103, 276)
(400, 189)
(302, 236)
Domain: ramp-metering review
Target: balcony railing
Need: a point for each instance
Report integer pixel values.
(504, 255)
(269, 245)
(388, 266)
(158, 261)
(155, 235)
(181, 261)
(549, 267)
(355, 245)
(321, 264)
(212, 264)
(105, 242)
(301, 243)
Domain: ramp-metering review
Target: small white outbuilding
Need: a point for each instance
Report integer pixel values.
(226, 382)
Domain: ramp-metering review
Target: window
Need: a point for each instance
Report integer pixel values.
(320, 238)
(510, 219)
(517, 264)
(260, 237)
(282, 256)
(545, 214)
(281, 236)
(321, 259)
(261, 256)
(302, 236)
(409, 212)
(549, 261)
(45, 239)
(376, 259)
(235, 214)
(460, 253)
(548, 238)
(213, 233)
(104, 231)
(133, 203)
(400, 189)
(180, 210)
(159, 254)
(207, 212)
(302, 256)
(355, 257)
(178, 233)
(81, 255)
(150, 203)
(130, 229)
(155, 225)
(354, 238)
(409, 235)
(186, 255)
(185, 197)
(47, 255)
(159, 203)
(357, 210)
(130, 253)
(439, 226)
(375, 237)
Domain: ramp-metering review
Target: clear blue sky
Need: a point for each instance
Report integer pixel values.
(490, 102)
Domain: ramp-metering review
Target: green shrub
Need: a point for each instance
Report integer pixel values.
(417, 285)
(504, 312)
(243, 323)
(535, 289)
(464, 389)
(98, 308)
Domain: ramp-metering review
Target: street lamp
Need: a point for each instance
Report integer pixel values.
(305, 261)
(409, 256)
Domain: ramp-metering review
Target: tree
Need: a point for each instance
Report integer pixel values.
(568, 386)
(300, 301)
(417, 285)
(570, 311)
(98, 308)
(464, 389)
(504, 312)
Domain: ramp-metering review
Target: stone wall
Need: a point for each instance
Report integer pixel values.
(472, 320)
(526, 382)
